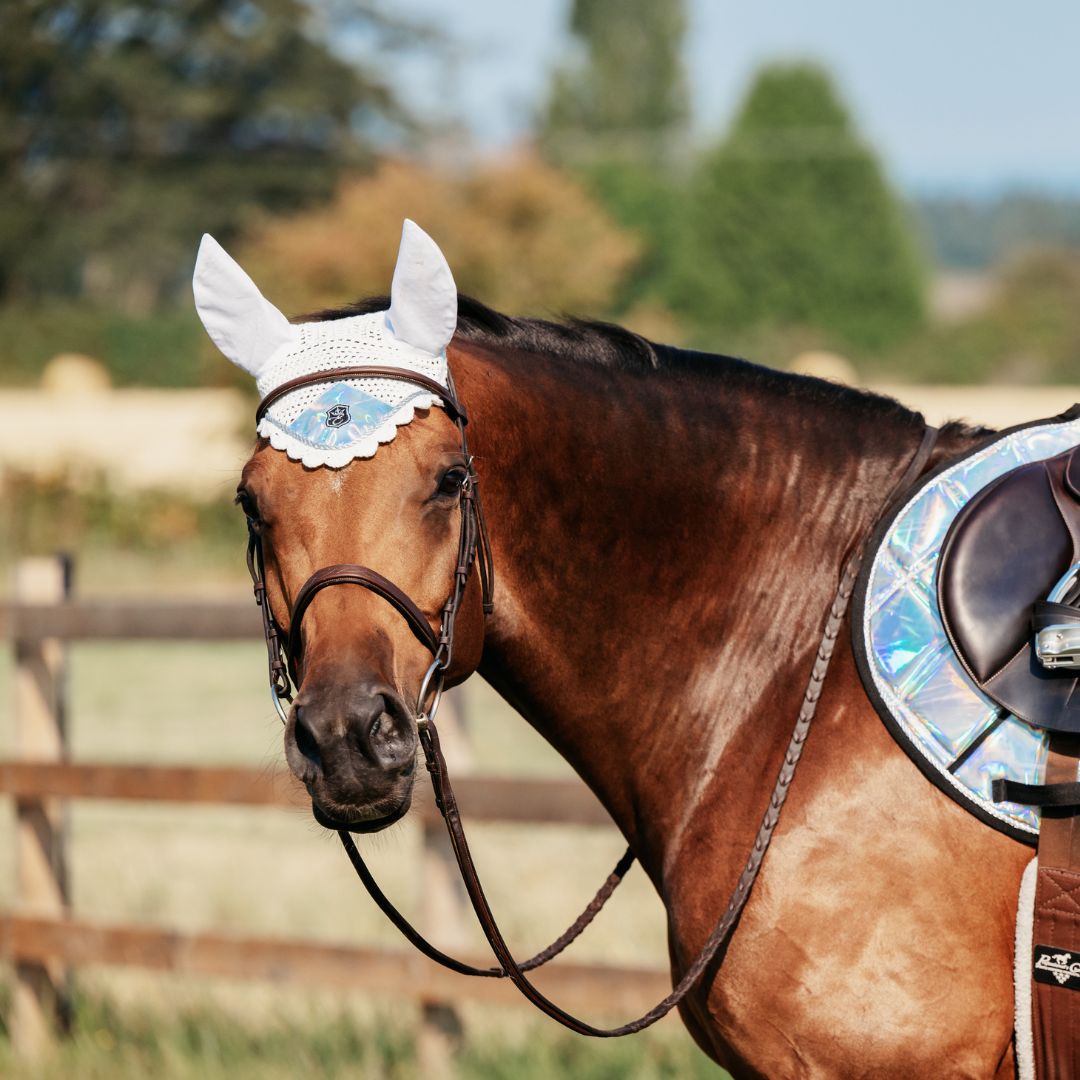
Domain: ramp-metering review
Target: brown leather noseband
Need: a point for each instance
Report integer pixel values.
(473, 547)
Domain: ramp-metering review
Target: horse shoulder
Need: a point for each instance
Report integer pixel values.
(878, 940)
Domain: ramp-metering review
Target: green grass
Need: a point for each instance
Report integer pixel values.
(111, 1043)
(108, 1042)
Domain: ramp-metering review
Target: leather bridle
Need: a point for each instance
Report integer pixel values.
(285, 653)
(285, 650)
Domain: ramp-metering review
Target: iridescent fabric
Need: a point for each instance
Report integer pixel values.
(343, 415)
(944, 716)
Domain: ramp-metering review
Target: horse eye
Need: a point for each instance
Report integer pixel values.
(453, 480)
(247, 504)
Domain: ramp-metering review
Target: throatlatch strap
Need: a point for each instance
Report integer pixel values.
(1055, 988)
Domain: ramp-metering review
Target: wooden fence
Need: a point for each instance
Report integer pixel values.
(42, 940)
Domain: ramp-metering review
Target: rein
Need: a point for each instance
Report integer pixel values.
(285, 652)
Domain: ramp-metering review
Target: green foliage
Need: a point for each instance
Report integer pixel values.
(976, 234)
(792, 224)
(649, 202)
(616, 113)
(128, 127)
(561, 1055)
(43, 516)
(625, 92)
(201, 1044)
(1030, 333)
(165, 349)
(521, 234)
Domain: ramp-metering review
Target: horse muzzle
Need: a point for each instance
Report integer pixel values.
(355, 751)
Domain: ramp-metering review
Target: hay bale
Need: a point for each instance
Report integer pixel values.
(75, 375)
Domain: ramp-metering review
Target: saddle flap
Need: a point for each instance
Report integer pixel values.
(1003, 554)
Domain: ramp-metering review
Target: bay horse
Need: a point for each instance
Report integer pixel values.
(668, 529)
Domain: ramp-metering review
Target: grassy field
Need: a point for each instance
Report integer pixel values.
(275, 872)
(111, 1042)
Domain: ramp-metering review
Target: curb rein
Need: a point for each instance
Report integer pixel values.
(285, 653)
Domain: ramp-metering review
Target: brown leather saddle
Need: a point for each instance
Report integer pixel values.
(1001, 558)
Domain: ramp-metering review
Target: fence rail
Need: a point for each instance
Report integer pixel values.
(44, 941)
(523, 801)
(112, 620)
(347, 967)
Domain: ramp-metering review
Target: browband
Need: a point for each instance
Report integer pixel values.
(366, 371)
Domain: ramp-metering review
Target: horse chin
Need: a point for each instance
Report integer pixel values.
(361, 821)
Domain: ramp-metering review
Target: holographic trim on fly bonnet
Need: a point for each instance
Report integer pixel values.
(333, 422)
(943, 717)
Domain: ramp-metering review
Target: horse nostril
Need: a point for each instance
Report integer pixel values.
(386, 740)
(306, 742)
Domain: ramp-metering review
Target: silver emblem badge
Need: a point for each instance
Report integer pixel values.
(337, 416)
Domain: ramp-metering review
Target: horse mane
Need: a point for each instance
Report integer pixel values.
(615, 348)
(588, 340)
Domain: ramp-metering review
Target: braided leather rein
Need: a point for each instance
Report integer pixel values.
(284, 649)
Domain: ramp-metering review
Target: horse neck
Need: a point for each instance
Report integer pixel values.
(666, 545)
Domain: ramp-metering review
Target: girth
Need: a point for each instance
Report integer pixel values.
(1055, 994)
(285, 653)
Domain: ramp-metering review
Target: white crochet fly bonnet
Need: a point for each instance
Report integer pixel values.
(333, 422)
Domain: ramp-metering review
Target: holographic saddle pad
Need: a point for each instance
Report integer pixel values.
(957, 735)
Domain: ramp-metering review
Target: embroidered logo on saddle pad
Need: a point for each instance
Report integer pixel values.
(1057, 967)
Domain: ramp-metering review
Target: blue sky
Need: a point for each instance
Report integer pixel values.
(956, 95)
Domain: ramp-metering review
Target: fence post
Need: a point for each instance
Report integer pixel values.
(444, 905)
(39, 1004)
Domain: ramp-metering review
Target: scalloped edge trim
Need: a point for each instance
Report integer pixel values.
(312, 457)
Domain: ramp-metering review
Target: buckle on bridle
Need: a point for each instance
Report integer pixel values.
(433, 681)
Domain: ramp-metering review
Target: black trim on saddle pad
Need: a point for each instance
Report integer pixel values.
(858, 644)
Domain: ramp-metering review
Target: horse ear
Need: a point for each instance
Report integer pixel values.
(244, 325)
(423, 296)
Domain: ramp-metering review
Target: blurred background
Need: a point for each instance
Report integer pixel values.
(888, 196)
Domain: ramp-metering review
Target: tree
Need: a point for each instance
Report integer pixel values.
(519, 235)
(127, 127)
(617, 115)
(791, 223)
(1028, 332)
(624, 94)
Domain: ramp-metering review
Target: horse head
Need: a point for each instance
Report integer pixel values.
(327, 513)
